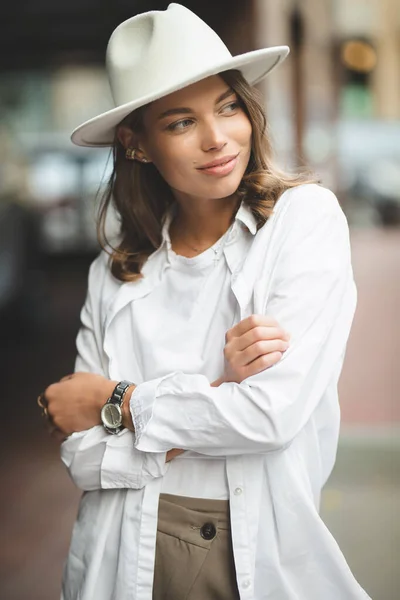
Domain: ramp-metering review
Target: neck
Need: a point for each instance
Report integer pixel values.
(203, 222)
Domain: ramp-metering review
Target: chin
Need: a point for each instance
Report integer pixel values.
(224, 188)
(215, 189)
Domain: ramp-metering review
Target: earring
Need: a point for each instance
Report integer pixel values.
(130, 153)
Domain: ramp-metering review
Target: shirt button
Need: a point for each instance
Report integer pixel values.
(208, 531)
(246, 583)
(238, 491)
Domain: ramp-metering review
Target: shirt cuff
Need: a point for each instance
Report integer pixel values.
(142, 402)
(122, 464)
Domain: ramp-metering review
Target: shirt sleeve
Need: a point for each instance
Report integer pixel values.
(313, 296)
(94, 458)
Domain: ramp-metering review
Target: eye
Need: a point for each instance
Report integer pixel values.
(179, 125)
(231, 107)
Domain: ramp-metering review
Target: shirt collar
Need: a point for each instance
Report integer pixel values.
(244, 215)
(236, 250)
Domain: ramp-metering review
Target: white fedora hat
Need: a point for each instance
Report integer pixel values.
(159, 52)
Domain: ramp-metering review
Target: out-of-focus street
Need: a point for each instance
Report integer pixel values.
(332, 106)
(361, 500)
(370, 381)
(360, 507)
(39, 503)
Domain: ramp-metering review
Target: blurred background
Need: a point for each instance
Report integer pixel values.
(333, 105)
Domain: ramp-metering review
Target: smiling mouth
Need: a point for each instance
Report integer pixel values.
(221, 164)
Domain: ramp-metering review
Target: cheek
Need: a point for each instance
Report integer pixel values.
(243, 132)
(173, 160)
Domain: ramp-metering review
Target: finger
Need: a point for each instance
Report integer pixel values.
(262, 363)
(249, 323)
(58, 435)
(259, 334)
(44, 409)
(48, 424)
(262, 348)
(173, 453)
(48, 419)
(66, 377)
(52, 427)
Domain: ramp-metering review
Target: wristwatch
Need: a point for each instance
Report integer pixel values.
(111, 413)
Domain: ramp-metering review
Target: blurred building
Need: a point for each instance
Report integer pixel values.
(336, 102)
(334, 105)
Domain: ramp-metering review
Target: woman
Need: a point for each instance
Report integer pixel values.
(200, 434)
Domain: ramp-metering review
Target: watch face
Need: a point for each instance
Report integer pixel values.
(111, 416)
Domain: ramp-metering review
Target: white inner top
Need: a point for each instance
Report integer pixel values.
(181, 325)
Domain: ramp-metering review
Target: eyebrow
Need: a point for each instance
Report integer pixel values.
(185, 110)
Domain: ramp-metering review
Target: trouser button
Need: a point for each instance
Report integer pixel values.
(208, 531)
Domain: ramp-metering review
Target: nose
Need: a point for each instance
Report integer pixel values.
(213, 137)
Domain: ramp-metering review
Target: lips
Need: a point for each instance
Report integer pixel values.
(218, 162)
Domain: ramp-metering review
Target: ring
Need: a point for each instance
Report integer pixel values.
(41, 400)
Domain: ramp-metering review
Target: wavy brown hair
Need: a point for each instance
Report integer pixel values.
(141, 196)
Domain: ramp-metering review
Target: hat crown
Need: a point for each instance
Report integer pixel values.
(157, 53)
(154, 49)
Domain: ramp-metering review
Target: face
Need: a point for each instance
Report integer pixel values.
(191, 128)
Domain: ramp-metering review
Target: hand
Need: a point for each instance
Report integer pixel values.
(173, 453)
(74, 403)
(253, 345)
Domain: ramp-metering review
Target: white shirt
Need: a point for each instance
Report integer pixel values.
(277, 430)
(183, 322)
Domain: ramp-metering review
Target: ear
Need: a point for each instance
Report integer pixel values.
(126, 136)
(129, 139)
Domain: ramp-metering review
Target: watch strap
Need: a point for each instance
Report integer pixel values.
(117, 398)
(118, 395)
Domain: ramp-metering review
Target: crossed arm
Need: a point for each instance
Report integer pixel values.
(313, 294)
(74, 403)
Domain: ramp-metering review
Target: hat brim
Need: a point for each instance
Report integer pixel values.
(255, 65)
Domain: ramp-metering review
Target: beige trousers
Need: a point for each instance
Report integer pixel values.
(194, 557)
